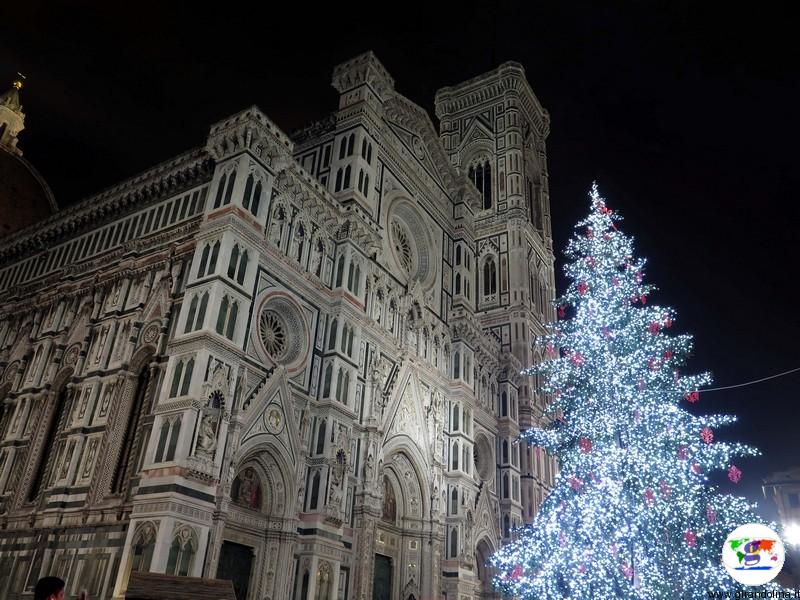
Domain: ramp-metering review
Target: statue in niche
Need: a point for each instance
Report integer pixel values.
(316, 259)
(369, 468)
(276, 226)
(323, 582)
(246, 489)
(389, 501)
(207, 437)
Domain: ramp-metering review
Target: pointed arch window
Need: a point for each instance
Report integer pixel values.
(503, 404)
(256, 204)
(232, 263)
(182, 377)
(226, 319)
(332, 334)
(454, 502)
(454, 542)
(340, 272)
(346, 182)
(339, 384)
(326, 386)
(456, 365)
(168, 440)
(481, 176)
(248, 191)
(229, 189)
(350, 144)
(489, 277)
(191, 315)
(321, 437)
(181, 556)
(458, 283)
(314, 499)
(212, 265)
(220, 190)
(356, 289)
(242, 269)
(142, 554)
(201, 270)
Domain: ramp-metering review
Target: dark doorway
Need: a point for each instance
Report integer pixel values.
(235, 562)
(382, 583)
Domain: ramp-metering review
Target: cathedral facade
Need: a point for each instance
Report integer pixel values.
(289, 361)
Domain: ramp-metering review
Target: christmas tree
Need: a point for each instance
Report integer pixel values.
(632, 513)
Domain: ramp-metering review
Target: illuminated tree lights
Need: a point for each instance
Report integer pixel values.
(631, 514)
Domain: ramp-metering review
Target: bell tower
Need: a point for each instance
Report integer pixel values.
(494, 129)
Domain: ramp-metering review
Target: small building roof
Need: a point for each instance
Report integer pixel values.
(157, 586)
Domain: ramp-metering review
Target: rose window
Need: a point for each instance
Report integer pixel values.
(409, 243)
(401, 243)
(273, 333)
(282, 331)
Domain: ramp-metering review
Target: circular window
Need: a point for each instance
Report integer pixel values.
(409, 242)
(482, 455)
(402, 245)
(282, 330)
(273, 333)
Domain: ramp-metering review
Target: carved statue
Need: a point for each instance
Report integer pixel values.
(207, 438)
(316, 259)
(369, 468)
(389, 502)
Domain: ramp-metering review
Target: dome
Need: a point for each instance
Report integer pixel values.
(25, 198)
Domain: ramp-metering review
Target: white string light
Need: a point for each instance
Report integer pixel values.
(631, 513)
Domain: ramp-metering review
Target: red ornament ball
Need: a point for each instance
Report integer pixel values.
(585, 445)
(582, 288)
(691, 538)
(692, 397)
(707, 435)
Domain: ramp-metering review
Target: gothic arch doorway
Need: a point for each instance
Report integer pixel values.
(255, 543)
(400, 540)
(485, 572)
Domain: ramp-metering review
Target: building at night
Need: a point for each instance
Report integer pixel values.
(288, 361)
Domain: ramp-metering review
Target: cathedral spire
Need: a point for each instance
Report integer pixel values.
(12, 119)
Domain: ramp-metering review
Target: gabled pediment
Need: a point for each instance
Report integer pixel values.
(270, 417)
(405, 417)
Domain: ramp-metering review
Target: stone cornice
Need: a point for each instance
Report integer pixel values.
(168, 178)
(508, 77)
(250, 130)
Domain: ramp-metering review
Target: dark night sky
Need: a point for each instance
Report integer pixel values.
(685, 114)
